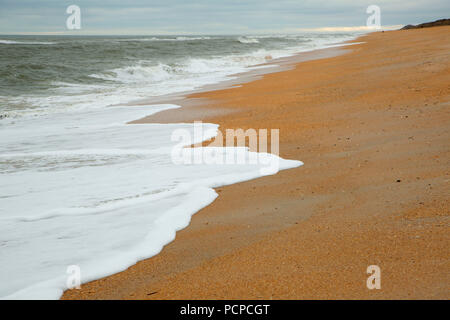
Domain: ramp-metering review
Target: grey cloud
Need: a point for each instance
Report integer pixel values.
(209, 16)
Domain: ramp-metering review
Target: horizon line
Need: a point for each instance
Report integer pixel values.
(287, 31)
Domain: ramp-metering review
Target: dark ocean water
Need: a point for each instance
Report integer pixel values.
(42, 74)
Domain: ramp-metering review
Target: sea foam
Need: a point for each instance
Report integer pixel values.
(26, 42)
(86, 189)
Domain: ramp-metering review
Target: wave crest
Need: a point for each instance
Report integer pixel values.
(24, 42)
(247, 40)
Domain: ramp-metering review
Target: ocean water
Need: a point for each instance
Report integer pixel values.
(79, 186)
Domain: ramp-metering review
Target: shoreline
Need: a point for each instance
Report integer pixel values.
(131, 113)
(311, 232)
(193, 106)
(189, 104)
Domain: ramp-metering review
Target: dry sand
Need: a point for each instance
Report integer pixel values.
(373, 129)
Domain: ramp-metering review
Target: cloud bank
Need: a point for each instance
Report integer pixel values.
(210, 16)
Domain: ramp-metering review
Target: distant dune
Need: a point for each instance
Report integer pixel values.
(437, 23)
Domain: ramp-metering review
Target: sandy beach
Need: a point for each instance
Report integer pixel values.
(372, 126)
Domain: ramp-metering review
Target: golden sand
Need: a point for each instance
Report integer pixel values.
(373, 129)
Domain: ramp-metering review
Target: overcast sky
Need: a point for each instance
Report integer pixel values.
(209, 16)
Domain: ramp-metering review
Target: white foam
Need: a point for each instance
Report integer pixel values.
(84, 188)
(248, 40)
(166, 39)
(25, 42)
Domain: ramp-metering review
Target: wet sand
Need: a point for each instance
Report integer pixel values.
(373, 129)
